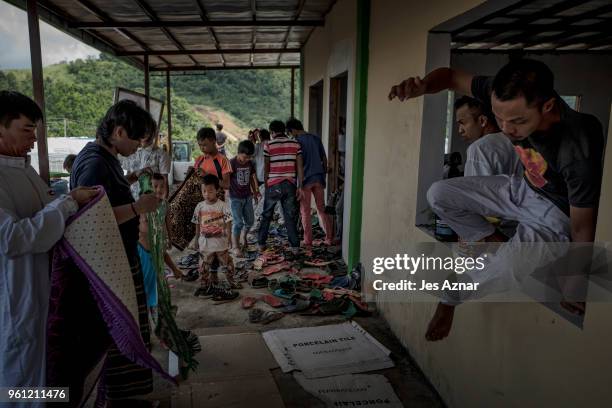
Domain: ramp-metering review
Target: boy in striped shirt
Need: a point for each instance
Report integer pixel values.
(283, 176)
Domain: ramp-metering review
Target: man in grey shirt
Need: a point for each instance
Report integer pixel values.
(221, 138)
(490, 152)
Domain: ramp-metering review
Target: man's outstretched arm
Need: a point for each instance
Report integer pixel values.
(437, 80)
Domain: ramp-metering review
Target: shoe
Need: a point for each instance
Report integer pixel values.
(192, 275)
(224, 295)
(235, 285)
(205, 291)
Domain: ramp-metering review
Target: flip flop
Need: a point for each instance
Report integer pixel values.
(248, 302)
(192, 275)
(295, 305)
(257, 281)
(317, 262)
(271, 300)
(263, 317)
(334, 306)
(272, 269)
(282, 293)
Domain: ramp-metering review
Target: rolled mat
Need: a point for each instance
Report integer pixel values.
(93, 303)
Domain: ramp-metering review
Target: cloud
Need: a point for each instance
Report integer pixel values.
(15, 44)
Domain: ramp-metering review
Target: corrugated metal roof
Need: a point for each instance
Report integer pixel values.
(245, 28)
(542, 25)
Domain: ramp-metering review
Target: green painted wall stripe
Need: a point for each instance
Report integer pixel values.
(359, 130)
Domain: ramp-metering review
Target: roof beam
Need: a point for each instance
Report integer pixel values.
(591, 41)
(206, 21)
(153, 16)
(254, 30)
(543, 13)
(92, 8)
(195, 23)
(296, 17)
(211, 52)
(530, 52)
(568, 36)
(204, 68)
(486, 18)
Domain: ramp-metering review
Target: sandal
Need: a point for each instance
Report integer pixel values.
(271, 300)
(334, 306)
(317, 262)
(248, 302)
(263, 317)
(257, 281)
(295, 305)
(272, 269)
(192, 275)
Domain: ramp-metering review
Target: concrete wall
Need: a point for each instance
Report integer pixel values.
(585, 75)
(330, 52)
(497, 354)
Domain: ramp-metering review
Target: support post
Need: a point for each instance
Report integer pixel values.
(292, 92)
(146, 82)
(38, 87)
(169, 112)
(359, 131)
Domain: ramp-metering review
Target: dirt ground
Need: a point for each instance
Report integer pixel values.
(205, 318)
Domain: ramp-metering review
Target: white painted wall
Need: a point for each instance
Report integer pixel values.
(498, 355)
(329, 53)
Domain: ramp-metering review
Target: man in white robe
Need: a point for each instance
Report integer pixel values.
(31, 222)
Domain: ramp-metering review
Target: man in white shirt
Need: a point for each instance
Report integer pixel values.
(490, 152)
(32, 220)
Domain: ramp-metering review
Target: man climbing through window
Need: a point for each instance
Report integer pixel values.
(556, 200)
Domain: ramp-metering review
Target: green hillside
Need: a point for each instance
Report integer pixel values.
(79, 92)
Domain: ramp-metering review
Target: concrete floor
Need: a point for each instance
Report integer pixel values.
(205, 318)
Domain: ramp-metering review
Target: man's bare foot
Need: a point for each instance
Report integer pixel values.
(576, 308)
(441, 322)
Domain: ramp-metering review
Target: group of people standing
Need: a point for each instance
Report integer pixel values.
(284, 165)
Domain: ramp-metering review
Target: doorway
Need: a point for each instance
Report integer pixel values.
(336, 148)
(315, 109)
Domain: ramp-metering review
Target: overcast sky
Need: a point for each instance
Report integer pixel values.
(14, 42)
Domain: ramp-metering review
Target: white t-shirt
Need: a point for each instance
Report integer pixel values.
(491, 155)
(155, 158)
(212, 219)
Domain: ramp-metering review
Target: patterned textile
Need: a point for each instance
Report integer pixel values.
(180, 210)
(93, 310)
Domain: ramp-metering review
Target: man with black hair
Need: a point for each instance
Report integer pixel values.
(68, 162)
(561, 150)
(32, 221)
(315, 171)
(120, 132)
(284, 176)
(221, 138)
(489, 152)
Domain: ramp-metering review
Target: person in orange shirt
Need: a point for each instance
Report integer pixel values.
(212, 161)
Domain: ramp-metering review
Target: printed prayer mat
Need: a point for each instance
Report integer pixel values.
(93, 303)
